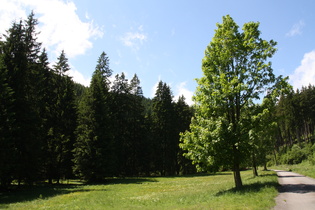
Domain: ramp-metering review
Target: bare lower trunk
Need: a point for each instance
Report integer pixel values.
(275, 155)
(255, 173)
(236, 169)
(237, 179)
(265, 166)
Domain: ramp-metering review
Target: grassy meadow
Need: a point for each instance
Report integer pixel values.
(186, 192)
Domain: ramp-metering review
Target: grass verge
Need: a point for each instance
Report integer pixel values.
(304, 168)
(189, 192)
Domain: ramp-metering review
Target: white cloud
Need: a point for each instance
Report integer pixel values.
(182, 90)
(59, 25)
(87, 16)
(10, 11)
(78, 77)
(296, 29)
(305, 73)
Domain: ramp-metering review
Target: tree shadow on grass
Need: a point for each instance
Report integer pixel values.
(126, 180)
(249, 188)
(44, 191)
(30, 193)
(205, 174)
(131, 180)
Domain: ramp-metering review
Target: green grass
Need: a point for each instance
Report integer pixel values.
(304, 168)
(189, 192)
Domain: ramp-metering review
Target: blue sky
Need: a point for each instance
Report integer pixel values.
(165, 40)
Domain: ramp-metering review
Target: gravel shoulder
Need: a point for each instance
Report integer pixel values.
(295, 192)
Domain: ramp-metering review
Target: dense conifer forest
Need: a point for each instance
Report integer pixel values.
(52, 128)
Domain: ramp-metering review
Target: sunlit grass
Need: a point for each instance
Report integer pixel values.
(190, 192)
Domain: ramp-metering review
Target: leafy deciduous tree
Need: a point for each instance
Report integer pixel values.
(236, 72)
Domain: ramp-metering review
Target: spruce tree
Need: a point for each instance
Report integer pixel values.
(139, 144)
(94, 156)
(8, 153)
(165, 137)
(20, 56)
(120, 107)
(61, 137)
(183, 117)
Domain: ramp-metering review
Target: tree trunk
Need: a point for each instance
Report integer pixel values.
(275, 155)
(237, 177)
(265, 166)
(255, 173)
(236, 169)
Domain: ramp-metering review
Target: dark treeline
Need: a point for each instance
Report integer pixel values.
(52, 128)
(295, 135)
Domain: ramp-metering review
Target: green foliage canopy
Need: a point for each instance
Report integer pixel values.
(236, 72)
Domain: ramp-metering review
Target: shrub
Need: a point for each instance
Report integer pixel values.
(295, 155)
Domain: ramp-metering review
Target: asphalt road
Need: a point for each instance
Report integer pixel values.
(296, 191)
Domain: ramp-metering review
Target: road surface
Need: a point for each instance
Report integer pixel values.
(296, 191)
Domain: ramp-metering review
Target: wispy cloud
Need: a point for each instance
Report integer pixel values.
(305, 73)
(59, 24)
(131, 39)
(296, 29)
(173, 32)
(134, 39)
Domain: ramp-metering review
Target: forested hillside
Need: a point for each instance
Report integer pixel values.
(52, 128)
(295, 137)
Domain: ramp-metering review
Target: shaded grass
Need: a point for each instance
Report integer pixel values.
(189, 192)
(305, 168)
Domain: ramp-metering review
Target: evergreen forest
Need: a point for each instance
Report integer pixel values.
(54, 129)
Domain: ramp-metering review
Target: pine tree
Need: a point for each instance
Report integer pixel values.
(8, 153)
(120, 107)
(135, 88)
(183, 113)
(63, 122)
(94, 156)
(165, 138)
(139, 144)
(20, 56)
(128, 119)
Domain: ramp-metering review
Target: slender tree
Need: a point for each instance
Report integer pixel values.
(236, 72)
(21, 56)
(8, 153)
(183, 115)
(164, 133)
(128, 119)
(63, 118)
(121, 123)
(94, 156)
